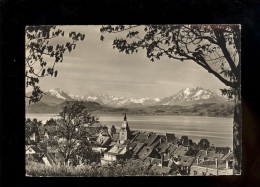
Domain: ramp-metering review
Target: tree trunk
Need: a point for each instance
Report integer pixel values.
(66, 162)
(237, 135)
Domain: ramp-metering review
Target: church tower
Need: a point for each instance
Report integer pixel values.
(124, 133)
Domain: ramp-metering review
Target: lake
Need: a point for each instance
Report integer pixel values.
(219, 131)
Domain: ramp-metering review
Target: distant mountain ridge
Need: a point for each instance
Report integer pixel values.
(190, 96)
(184, 97)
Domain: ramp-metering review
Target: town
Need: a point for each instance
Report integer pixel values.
(163, 154)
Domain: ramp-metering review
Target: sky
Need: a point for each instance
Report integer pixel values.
(95, 67)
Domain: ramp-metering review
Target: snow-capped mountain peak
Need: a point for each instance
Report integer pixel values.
(57, 93)
(191, 95)
(185, 96)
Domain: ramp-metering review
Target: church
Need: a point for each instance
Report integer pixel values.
(119, 150)
(124, 133)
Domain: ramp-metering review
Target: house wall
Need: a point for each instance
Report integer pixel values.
(46, 161)
(213, 171)
(109, 157)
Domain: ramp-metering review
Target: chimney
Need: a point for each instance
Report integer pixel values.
(166, 137)
(160, 141)
(216, 160)
(148, 136)
(162, 159)
(229, 151)
(206, 152)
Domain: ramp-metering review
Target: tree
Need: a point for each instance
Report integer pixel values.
(31, 127)
(42, 54)
(71, 135)
(216, 48)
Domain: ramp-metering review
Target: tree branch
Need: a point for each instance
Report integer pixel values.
(222, 44)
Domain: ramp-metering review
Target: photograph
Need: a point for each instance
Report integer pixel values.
(133, 100)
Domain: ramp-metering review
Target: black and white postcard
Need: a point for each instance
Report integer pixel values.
(133, 100)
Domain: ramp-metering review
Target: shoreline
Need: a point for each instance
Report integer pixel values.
(54, 114)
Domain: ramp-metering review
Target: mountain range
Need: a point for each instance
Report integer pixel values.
(185, 97)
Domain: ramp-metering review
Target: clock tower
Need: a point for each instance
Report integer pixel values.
(124, 133)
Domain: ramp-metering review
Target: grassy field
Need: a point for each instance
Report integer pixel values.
(132, 168)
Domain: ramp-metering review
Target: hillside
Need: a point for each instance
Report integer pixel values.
(54, 109)
(206, 109)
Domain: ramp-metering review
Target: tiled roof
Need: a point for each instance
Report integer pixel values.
(172, 148)
(140, 138)
(201, 153)
(180, 151)
(50, 122)
(148, 160)
(103, 140)
(210, 154)
(163, 147)
(228, 156)
(138, 148)
(207, 163)
(187, 160)
(151, 139)
(34, 157)
(170, 137)
(155, 144)
(132, 144)
(116, 149)
(155, 161)
(126, 142)
(50, 157)
(119, 149)
(112, 143)
(115, 137)
(145, 152)
(134, 132)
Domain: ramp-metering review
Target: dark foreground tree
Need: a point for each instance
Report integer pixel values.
(216, 48)
(43, 52)
(71, 136)
(31, 127)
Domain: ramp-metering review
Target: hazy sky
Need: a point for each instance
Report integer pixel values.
(94, 66)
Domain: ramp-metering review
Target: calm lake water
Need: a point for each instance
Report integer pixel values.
(219, 131)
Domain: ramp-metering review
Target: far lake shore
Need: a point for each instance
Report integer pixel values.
(219, 131)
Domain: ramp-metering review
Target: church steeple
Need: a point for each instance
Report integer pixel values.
(125, 118)
(124, 133)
